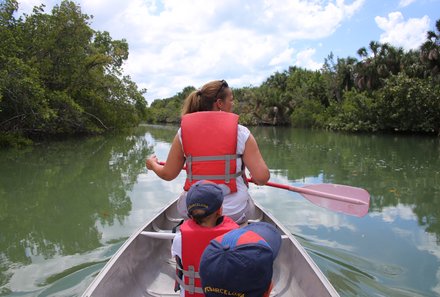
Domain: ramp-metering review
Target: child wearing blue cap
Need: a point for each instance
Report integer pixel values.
(240, 262)
(204, 205)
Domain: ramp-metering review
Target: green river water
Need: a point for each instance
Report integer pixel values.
(67, 206)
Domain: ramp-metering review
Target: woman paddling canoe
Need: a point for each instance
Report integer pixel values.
(214, 147)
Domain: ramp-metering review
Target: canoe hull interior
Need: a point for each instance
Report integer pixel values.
(143, 265)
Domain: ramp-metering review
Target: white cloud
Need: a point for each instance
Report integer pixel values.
(174, 44)
(391, 214)
(404, 3)
(408, 34)
(282, 58)
(304, 59)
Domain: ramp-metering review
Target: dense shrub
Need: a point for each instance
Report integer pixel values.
(308, 115)
(409, 104)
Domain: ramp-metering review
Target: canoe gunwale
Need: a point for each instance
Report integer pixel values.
(97, 280)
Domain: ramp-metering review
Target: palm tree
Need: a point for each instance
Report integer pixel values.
(366, 76)
(390, 60)
(384, 60)
(430, 52)
(374, 47)
(411, 64)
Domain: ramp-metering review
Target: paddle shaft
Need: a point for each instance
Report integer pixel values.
(313, 192)
(340, 198)
(307, 191)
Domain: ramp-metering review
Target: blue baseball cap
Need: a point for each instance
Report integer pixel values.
(204, 195)
(240, 262)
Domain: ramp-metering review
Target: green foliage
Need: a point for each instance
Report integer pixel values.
(168, 110)
(355, 113)
(338, 76)
(60, 77)
(13, 140)
(409, 104)
(247, 104)
(308, 115)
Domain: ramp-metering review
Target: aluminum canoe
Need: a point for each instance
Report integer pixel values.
(143, 265)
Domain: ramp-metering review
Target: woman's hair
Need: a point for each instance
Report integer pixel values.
(204, 98)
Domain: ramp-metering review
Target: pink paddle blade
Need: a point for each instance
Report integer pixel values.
(340, 198)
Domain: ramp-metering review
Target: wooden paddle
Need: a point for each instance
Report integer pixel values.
(340, 198)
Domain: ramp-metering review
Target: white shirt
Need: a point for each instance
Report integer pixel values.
(176, 247)
(176, 250)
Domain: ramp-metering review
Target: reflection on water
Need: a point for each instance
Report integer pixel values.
(53, 197)
(65, 207)
(395, 170)
(395, 248)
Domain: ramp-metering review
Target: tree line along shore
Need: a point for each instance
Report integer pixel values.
(61, 78)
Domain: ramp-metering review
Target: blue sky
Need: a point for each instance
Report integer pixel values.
(179, 43)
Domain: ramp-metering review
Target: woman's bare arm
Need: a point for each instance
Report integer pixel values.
(254, 162)
(173, 165)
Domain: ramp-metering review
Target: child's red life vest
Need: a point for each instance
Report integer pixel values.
(195, 239)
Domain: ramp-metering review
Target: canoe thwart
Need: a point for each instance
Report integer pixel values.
(159, 235)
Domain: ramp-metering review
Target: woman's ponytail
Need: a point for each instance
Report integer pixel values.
(192, 103)
(203, 99)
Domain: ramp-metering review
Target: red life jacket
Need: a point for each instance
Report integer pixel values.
(209, 140)
(195, 239)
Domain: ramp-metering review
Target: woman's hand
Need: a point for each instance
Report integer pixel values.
(173, 165)
(151, 161)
